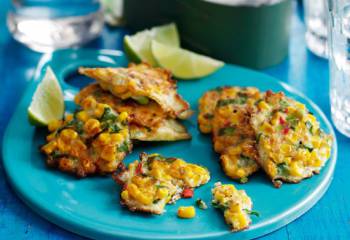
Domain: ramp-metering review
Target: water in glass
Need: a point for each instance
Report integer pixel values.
(315, 13)
(52, 24)
(339, 45)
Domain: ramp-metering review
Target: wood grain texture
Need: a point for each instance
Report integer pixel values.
(329, 219)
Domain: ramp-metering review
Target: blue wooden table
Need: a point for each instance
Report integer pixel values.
(329, 219)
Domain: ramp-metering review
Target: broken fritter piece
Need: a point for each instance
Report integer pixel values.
(147, 122)
(154, 181)
(290, 142)
(93, 140)
(236, 205)
(141, 81)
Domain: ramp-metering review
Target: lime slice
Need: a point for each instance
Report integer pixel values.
(182, 63)
(138, 47)
(47, 103)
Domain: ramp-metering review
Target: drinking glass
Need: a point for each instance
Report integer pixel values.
(339, 49)
(315, 15)
(46, 25)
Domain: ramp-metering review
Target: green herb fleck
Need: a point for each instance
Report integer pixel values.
(258, 138)
(108, 115)
(282, 169)
(252, 212)
(243, 180)
(284, 104)
(156, 201)
(238, 100)
(309, 126)
(201, 204)
(56, 154)
(141, 99)
(292, 121)
(218, 205)
(124, 147)
(160, 186)
(226, 131)
(302, 145)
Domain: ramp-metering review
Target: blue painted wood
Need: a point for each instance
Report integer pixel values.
(329, 219)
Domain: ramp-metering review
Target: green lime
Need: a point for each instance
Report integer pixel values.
(138, 47)
(47, 102)
(182, 63)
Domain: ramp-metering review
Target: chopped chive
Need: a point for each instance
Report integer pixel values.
(201, 204)
(226, 131)
(252, 212)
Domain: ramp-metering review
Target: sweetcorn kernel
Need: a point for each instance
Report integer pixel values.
(186, 212)
(48, 148)
(162, 193)
(116, 137)
(104, 138)
(54, 125)
(68, 134)
(92, 126)
(88, 102)
(108, 153)
(83, 116)
(125, 195)
(262, 105)
(123, 116)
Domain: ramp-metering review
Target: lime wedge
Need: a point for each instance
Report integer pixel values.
(182, 63)
(138, 47)
(47, 102)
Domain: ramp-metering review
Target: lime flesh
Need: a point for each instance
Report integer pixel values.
(182, 63)
(47, 102)
(138, 47)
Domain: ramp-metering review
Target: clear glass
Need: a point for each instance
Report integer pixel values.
(339, 46)
(315, 15)
(46, 25)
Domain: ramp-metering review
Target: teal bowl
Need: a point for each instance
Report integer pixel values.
(251, 36)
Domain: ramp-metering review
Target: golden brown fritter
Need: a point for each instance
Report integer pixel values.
(93, 140)
(148, 122)
(142, 82)
(291, 144)
(225, 112)
(233, 136)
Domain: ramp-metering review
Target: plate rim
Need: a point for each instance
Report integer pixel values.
(87, 231)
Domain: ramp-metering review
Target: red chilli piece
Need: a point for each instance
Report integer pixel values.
(282, 121)
(187, 193)
(124, 186)
(138, 169)
(285, 131)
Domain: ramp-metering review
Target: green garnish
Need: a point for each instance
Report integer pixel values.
(284, 104)
(243, 180)
(201, 204)
(160, 186)
(218, 205)
(282, 169)
(226, 131)
(258, 137)
(56, 154)
(309, 148)
(124, 147)
(141, 99)
(238, 100)
(292, 121)
(108, 115)
(309, 126)
(252, 212)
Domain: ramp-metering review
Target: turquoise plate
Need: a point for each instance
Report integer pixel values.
(90, 206)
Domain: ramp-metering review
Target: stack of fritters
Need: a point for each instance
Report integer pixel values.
(154, 181)
(252, 129)
(147, 94)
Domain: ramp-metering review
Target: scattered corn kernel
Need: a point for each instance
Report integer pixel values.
(186, 212)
